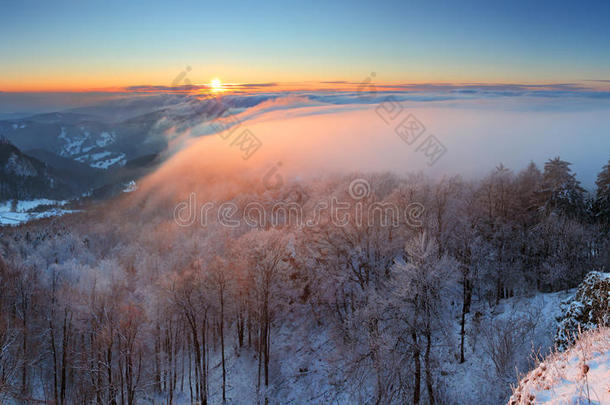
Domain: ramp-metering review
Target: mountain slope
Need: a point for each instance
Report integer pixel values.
(86, 139)
(25, 177)
(80, 174)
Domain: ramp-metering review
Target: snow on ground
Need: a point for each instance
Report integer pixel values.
(580, 375)
(27, 205)
(529, 322)
(98, 156)
(16, 218)
(73, 145)
(24, 211)
(87, 147)
(106, 163)
(306, 367)
(105, 139)
(102, 160)
(130, 187)
(299, 369)
(23, 206)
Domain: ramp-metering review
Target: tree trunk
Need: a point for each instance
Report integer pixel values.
(204, 365)
(157, 371)
(466, 298)
(429, 382)
(222, 343)
(64, 350)
(417, 364)
(55, 365)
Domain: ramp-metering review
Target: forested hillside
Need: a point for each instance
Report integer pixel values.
(411, 288)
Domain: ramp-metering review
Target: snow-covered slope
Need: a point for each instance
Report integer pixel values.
(23, 177)
(499, 343)
(90, 147)
(580, 375)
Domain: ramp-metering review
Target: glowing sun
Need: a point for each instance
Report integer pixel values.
(216, 84)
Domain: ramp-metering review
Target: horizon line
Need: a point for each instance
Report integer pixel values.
(329, 85)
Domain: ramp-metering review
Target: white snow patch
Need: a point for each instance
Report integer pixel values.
(106, 163)
(62, 134)
(21, 212)
(16, 218)
(106, 139)
(72, 146)
(98, 156)
(130, 187)
(23, 206)
(580, 375)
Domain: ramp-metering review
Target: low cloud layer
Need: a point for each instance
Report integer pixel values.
(313, 132)
(302, 136)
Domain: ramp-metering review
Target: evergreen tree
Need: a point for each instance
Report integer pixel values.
(561, 192)
(601, 207)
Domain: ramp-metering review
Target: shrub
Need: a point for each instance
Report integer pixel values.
(589, 309)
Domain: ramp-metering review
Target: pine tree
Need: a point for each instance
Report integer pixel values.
(602, 197)
(561, 192)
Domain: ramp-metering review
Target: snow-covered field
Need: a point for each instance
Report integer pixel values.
(24, 211)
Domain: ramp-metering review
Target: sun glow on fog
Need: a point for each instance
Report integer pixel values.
(312, 139)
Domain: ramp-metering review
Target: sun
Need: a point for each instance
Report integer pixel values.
(216, 84)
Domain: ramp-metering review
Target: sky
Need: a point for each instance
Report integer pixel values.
(496, 81)
(105, 45)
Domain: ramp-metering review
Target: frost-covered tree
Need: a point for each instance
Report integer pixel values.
(424, 285)
(602, 197)
(528, 184)
(267, 256)
(561, 192)
(9, 333)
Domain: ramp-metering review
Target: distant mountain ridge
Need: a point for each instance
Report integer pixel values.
(82, 138)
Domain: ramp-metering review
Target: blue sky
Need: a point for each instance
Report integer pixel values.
(72, 45)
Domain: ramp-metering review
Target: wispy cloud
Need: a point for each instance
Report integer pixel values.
(188, 88)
